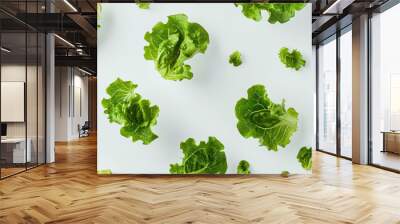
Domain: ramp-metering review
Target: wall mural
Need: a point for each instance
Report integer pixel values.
(216, 88)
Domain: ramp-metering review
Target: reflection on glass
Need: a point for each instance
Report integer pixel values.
(386, 89)
(346, 94)
(327, 97)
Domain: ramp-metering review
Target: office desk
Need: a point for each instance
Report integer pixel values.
(391, 142)
(13, 150)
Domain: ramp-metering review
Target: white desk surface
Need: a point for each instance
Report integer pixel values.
(13, 140)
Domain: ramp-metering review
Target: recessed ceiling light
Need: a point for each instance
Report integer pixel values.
(65, 41)
(84, 71)
(70, 5)
(5, 50)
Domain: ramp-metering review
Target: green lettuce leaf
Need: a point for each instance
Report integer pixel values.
(285, 173)
(243, 167)
(260, 118)
(205, 158)
(235, 58)
(127, 108)
(278, 12)
(174, 42)
(292, 59)
(304, 156)
(143, 5)
(99, 9)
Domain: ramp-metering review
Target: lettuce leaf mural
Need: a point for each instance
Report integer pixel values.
(204, 158)
(134, 114)
(174, 42)
(292, 59)
(304, 156)
(278, 12)
(260, 118)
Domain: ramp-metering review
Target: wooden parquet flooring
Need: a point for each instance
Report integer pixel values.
(70, 191)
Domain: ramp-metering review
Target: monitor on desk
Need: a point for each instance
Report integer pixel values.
(3, 130)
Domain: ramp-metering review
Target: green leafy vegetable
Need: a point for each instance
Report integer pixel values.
(174, 42)
(235, 58)
(292, 59)
(143, 5)
(205, 158)
(260, 118)
(278, 12)
(304, 156)
(104, 172)
(243, 167)
(127, 108)
(99, 9)
(285, 173)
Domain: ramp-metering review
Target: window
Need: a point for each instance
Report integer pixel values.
(385, 89)
(346, 94)
(327, 97)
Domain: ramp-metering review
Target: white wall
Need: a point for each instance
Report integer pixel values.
(69, 82)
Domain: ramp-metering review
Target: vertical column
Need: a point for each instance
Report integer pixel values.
(50, 91)
(360, 90)
(50, 98)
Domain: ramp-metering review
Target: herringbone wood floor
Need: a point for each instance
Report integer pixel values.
(70, 191)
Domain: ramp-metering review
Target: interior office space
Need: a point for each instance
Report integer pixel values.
(49, 124)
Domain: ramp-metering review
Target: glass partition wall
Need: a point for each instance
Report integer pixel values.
(385, 90)
(334, 105)
(22, 77)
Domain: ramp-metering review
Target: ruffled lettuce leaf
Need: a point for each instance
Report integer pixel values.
(128, 109)
(143, 5)
(174, 42)
(292, 59)
(260, 118)
(243, 167)
(304, 156)
(235, 58)
(278, 12)
(205, 158)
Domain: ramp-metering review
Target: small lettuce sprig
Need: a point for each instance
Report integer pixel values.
(304, 156)
(143, 5)
(174, 42)
(243, 167)
(278, 12)
(292, 59)
(99, 9)
(235, 59)
(134, 114)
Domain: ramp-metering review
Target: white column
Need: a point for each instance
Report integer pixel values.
(50, 100)
(360, 90)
